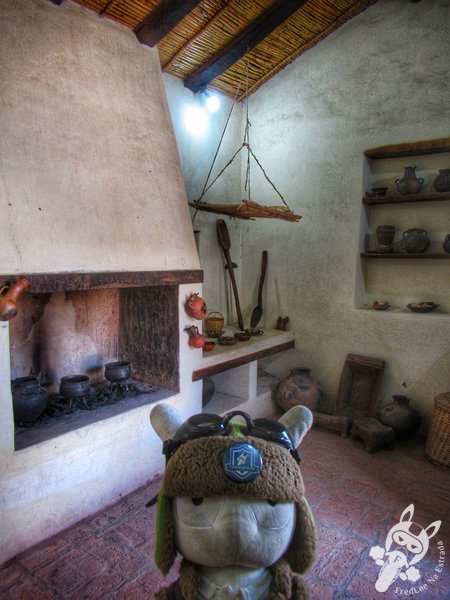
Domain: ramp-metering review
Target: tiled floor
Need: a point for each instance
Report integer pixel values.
(356, 497)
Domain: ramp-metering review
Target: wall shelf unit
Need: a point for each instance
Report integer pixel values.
(387, 276)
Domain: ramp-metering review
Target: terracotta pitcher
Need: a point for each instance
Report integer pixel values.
(8, 298)
(196, 339)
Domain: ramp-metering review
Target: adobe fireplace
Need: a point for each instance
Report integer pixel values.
(95, 215)
(70, 328)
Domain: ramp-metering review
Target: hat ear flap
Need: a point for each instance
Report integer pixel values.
(302, 550)
(165, 550)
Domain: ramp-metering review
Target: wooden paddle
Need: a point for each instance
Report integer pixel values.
(224, 241)
(258, 311)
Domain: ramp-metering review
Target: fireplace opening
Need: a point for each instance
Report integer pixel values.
(65, 339)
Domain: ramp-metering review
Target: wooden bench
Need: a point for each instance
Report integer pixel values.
(373, 433)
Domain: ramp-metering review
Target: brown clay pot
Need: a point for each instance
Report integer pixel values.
(409, 183)
(196, 307)
(8, 298)
(298, 388)
(403, 419)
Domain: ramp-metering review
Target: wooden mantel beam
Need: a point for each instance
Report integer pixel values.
(163, 19)
(250, 37)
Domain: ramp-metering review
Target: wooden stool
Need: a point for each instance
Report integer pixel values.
(373, 433)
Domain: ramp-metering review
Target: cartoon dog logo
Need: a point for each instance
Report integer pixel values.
(406, 544)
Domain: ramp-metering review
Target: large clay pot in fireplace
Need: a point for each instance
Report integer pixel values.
(29, 399)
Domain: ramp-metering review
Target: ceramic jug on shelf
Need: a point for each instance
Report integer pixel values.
(409, 183)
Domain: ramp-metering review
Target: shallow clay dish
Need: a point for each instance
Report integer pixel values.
(422, 307)
(227, 340)
(213, 333)
(380, 305)
(209, 346)
(242, 336)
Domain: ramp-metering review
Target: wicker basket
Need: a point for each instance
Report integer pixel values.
(214, 323)
(438, 443)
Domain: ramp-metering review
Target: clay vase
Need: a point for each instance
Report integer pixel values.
(442, 181)
(29, 399)
(8, 298)
(415, 241)
(403, 419)
(409, 183)
(298, 388)
(446, 244)
(196, 339)
(196, 307)
(385, 237)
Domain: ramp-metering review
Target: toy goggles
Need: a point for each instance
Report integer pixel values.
(208, 425)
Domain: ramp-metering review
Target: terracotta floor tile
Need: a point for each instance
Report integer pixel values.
(356, 498)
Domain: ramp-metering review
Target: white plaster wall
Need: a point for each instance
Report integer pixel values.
(380, 79)
(196, 157)
(89, 173)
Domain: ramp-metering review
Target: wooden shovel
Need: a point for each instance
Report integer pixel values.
(258, 311)
(224, 240)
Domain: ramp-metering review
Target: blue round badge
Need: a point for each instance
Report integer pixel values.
(242, 462)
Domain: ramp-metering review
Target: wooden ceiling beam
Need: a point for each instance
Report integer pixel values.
(250, 37)
(163, 19)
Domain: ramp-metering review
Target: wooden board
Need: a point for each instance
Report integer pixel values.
(359, 386)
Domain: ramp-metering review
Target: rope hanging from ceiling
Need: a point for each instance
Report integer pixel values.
(246, 209)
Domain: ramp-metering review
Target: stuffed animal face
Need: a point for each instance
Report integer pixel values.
(229, 531)
(232, 495)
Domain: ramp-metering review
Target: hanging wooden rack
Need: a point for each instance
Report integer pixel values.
(247, 208)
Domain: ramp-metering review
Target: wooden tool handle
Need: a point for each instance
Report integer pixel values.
(224, 241)
(263, 275)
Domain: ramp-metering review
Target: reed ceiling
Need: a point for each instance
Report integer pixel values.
(232, 46)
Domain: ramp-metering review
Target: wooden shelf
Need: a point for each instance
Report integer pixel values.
(432, 197)
(437, 146)
(223, 358)
(395, 255)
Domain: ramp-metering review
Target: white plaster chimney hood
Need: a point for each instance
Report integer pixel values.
(90, 178)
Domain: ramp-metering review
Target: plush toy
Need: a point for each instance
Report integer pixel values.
(232, 504)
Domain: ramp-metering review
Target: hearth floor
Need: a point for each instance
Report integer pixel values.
(356, 498)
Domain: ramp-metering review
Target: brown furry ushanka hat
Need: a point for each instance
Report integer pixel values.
(196, 469)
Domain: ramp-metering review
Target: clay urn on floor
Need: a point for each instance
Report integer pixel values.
(399, 415)
(299, 387)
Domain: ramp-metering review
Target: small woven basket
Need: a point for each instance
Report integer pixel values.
(214, 322)
(438, 443)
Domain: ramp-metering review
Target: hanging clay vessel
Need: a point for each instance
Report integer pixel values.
(29, 399)
(415, 240)
(403, 419)
(409, 183)
(196, 339)
(442, 181)
(8, 298)
(196, 307)
(298, 388)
